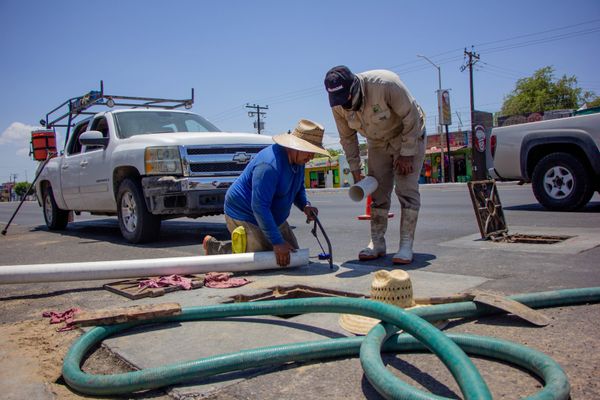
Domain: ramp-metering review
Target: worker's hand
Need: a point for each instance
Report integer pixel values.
(310, 212)
(357, 176)
(282, 253)
(403, 165)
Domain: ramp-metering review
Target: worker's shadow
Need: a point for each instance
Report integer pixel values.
(311, 269)
(357, 268)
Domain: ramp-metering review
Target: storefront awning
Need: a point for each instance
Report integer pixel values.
(436, 150)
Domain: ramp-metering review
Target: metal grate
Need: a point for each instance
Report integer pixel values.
(491, 221)
(488, 208)
(292, 292)
(529, 239)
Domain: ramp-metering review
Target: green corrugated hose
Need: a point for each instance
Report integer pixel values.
(425, 336)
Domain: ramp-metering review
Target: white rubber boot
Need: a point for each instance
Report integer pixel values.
(408, 224)
(376, 247)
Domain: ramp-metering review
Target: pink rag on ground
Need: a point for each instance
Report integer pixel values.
(65, 316)
(223, 280)
(163, 281)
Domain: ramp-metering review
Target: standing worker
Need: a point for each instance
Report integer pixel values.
(378, 106)
(260, 200)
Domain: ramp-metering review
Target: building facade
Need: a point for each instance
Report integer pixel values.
(437, 150)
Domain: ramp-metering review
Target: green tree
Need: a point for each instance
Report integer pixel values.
(594, 103)
(21, 188)
(334, 152)
(541, 92)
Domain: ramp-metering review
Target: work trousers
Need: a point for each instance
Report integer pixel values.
(255, 238)
(381, 167)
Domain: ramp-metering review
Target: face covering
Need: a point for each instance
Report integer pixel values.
(356, 96)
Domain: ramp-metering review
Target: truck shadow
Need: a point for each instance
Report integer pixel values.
(591, 207)
(172, 234)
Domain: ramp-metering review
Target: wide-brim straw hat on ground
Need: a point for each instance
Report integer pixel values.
(391, 287)
(307, 136)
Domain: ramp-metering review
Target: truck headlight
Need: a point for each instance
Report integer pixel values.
(162, 160)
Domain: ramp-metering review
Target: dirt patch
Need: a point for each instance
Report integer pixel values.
(31, 358)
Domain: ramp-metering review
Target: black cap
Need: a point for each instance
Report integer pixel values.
(338, 82)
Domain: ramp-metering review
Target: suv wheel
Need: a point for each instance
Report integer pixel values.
(137, 224)
(561, 182)
(56, 219)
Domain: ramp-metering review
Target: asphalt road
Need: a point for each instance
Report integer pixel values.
(444, 245)
(446, 214)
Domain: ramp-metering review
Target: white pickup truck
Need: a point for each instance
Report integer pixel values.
(144, 165)
(560, 157)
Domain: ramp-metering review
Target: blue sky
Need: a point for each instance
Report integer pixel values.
(275, 53)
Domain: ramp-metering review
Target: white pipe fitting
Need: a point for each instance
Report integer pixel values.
(363, 188)
(101, 270)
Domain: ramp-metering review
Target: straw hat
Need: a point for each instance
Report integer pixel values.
(391, 287)
(307, 136)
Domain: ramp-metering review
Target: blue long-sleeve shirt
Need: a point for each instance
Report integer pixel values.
(265, 191)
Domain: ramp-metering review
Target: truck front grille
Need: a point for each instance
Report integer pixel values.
(222, 150)
(220, 167)
(218, 160)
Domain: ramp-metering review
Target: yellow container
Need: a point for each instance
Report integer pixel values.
(238, 240)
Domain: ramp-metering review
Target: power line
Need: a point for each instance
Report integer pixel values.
(227, 111)
(483, 44)
(541, 40)
(411, 67)
(538, 33)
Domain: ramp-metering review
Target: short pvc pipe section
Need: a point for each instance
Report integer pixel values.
(470, 383)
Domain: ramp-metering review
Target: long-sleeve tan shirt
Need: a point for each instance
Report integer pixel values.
(388, 117)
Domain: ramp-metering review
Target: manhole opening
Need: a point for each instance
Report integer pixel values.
(291, 292)
(530, 239)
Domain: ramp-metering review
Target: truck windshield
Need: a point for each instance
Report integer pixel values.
(134, 123)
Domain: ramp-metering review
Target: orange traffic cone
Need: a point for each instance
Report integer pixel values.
(367, 214)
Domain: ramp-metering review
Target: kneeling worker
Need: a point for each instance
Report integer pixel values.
(261, 198)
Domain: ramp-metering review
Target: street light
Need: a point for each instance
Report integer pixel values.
(438, 68)
(440, 122)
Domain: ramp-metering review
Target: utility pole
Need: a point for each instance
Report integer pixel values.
(477, 163)
(258, 113)
(442, 163)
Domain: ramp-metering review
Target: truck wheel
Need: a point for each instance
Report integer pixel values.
(56, 219)
(561, 182)
(137, 224)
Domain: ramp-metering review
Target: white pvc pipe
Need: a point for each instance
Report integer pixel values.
(100, 270)
(363, 188)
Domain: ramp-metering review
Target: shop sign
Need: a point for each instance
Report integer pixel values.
(479, 142)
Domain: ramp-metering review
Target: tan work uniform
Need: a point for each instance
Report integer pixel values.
(394, 125)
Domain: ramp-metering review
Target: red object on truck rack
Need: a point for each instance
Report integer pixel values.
(43, 144)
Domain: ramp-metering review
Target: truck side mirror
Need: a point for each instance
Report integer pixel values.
(93, 138)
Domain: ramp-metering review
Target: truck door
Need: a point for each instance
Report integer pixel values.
(70, 167)
(94, 175)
